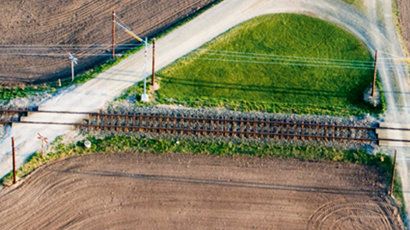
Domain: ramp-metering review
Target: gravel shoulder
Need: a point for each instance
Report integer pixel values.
(196, 191)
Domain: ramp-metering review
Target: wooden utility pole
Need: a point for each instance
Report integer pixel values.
(113, 34)
(153, 61)
(375, 75)
(14, 161)
(393, 173)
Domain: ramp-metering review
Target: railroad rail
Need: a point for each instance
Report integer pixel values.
(214, 126)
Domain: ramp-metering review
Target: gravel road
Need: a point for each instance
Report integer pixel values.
(94, 94)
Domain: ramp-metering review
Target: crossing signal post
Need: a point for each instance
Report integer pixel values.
(44, 140)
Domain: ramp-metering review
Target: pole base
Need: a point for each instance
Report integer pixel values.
(144, 97)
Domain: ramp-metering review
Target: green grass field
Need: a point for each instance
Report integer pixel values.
(275, 63)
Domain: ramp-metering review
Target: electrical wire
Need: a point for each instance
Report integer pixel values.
(295, 57)
(281, 63)
(60, 45)
(53, 54)
(246, 57)
(291, 60)
(389, 62)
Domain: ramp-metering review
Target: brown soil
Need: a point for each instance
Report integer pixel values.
(404, 9)
(143, 191)
(77, 22)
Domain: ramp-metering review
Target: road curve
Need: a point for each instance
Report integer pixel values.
(93, 95)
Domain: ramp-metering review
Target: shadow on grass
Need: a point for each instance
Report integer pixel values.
(291, 91)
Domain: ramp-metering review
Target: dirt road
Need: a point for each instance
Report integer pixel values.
(129, 191)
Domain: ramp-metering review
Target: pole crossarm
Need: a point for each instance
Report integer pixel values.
(128, 31)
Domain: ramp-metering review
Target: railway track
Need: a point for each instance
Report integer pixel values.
(211, 126)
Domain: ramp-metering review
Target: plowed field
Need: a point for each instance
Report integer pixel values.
(404, 9)
(31, 22)
(142, 191)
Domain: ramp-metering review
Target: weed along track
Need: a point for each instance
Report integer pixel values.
(242, 126)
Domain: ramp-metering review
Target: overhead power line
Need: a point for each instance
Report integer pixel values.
(280, 63)
(285, 56)
(62, 45)
(291, 60)
(52, 54)
(274, 59)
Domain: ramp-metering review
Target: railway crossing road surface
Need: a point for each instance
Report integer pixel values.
(92, 95)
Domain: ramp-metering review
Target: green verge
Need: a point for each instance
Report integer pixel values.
(197, 81)
(359, 4)
(9, 93)
(116, 144)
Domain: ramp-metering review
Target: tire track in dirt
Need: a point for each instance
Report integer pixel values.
(349, 213)
(177, 191)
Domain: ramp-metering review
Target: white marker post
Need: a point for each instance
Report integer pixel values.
(73, 62)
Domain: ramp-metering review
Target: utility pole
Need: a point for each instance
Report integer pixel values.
(113, 34)
(153, 62)
(14, 161)
(144, 96)
(375, 75)
(393, 173)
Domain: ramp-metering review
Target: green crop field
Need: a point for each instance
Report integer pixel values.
(285, 63)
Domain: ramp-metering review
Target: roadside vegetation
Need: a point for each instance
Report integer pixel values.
(281, 63)
(359, 4)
